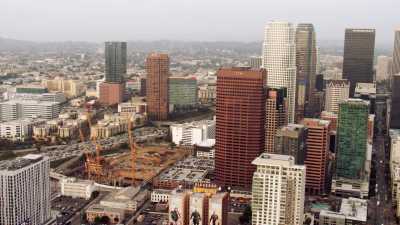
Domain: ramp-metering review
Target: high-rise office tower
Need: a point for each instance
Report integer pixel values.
(352, 136)
(115, 55)
(291, 140)
(336, 91)
(240, 119)
(306, 60)
(278, 191)
(275, 115)
(395, 109)
(279, 59)
(358, 58)
(383, 68)
(157, 68)
(25, 190)
(255, 62)
(317, 155)
(113, 88)
(396, 53)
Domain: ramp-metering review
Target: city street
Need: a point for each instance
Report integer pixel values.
(381, 203)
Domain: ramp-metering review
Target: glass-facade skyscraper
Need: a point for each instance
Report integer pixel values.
(358, 58)
(115, 54)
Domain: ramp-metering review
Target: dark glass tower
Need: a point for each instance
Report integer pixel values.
(395, 110)
(115, 54)
(358, 59)
(306, 61)
(396, 53)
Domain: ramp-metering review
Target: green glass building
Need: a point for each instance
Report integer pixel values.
(182, 93)
(352, 138)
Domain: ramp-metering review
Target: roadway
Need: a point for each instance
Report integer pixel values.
(381, 204)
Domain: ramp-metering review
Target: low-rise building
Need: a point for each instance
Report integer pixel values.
(352, 211)
(19, 130)
(75, 188)
(136, 106)
(111, 125)
(129, 199)
(160, 195)
(194, 133)
(116, 216)
(17, 109)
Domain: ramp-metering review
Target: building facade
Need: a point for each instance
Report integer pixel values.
(306, 60)
(352, 138)
(182, 93)
(111, 93)
(278, 191)
(255, 62)
(396, 53)
(336, 91)
(115, 61)
(317, 155)
(25, 186)
(395, 109)
(240, 117)
(279, 59)
(275, 115)
(358, 58)
(291, 140)
(383, 68)
(17, 109)
(157, 68)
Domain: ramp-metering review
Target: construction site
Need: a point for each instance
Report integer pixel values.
(135, 165)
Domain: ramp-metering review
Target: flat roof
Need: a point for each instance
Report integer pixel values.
(354, 209)
(20, 162)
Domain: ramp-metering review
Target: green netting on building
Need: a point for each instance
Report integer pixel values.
(352, 139)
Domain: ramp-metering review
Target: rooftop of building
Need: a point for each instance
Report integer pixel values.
(394, 133)
(354, 209)
(311, 122)
(20, 162)
(29, 102)
(23, 121)
(194, 124)
(355, 101)
(96, 208)
(183, 174)
(328, 114)
(365, 88)
(276, 160)
(292, 127)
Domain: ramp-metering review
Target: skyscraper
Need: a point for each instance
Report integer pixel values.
(113, 88)
(395, 109)
(275, 115)
(25, 190)
(396, 53)
(336, 91)
(317, 155)
(352, 138)
(240, 119)
(383, 68)
(306, 60)
(279, 59)
(278, 191)
(115, 55)
(358, 58)
(157, 68)
(291, 140)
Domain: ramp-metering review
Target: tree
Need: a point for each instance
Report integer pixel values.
(245, 218)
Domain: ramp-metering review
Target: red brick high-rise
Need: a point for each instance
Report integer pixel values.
(111, 93)
(317, 154)
(157, 68)
(240, 119)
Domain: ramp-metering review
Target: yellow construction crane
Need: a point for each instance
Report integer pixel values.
(132, 148)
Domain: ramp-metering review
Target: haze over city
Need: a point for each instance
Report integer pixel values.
(188, 20)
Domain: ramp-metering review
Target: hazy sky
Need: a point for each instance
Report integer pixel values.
(192, 20)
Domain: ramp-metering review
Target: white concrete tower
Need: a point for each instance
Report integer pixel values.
(279, 59)
(278, 191)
